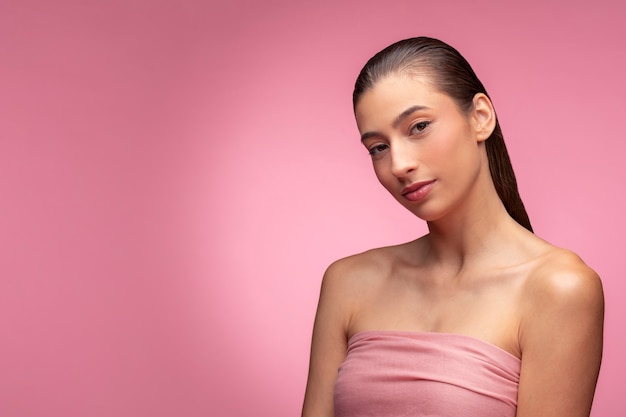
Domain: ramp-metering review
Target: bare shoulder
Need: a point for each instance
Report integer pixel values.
(350, 280)
(342, 285)
(354, 272)
(561, 335)
(560, 277)
(561, 291)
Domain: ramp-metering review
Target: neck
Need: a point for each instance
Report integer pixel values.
(474, 233)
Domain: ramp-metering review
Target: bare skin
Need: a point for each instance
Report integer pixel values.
(477, 272)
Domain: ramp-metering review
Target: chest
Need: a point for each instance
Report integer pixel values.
(425, 374)
(486, 308)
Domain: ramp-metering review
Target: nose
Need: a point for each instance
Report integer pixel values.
(403, 160)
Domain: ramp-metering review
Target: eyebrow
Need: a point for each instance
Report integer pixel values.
(396, 122)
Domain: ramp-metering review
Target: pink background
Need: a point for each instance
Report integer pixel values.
(175, 176)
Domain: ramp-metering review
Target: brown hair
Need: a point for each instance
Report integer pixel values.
(453, 75)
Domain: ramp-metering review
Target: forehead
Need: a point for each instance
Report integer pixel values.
(392, 95)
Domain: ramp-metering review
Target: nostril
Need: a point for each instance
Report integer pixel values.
(403, 161)
(402, 169)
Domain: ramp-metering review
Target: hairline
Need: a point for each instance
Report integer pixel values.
(413, 70)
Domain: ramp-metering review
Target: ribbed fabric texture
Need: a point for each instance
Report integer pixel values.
(399, 373)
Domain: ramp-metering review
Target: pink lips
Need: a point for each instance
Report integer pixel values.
(418, 190)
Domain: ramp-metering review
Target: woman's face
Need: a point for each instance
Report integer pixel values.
(425, 151)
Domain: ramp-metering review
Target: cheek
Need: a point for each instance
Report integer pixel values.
(383, 174)
(438, 156)
(451, 147)
(379, 171)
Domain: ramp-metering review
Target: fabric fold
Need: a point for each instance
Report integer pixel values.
(401, 373)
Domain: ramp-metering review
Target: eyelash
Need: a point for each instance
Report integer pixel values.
(420, 126)
(377, 149)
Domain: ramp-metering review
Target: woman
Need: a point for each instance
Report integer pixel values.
(479, 317)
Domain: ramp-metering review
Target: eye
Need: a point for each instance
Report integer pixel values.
(377, 149)
(419, 127)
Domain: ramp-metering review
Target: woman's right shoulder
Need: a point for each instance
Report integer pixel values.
(360, 263)
(347, 282)
(363, 270)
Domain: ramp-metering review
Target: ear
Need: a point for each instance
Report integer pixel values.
(483, 117)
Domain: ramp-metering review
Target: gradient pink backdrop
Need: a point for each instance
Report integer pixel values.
(175, 176)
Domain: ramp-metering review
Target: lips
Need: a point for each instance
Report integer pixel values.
(417, 191)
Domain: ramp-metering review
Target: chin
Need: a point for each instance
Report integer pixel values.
(426, 212)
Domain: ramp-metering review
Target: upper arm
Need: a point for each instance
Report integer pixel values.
(561, 343)
(328, 345)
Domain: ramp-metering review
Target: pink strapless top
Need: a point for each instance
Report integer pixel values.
(400, 373)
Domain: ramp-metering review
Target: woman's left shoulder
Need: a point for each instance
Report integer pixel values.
(560, 279)
(560, 336)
